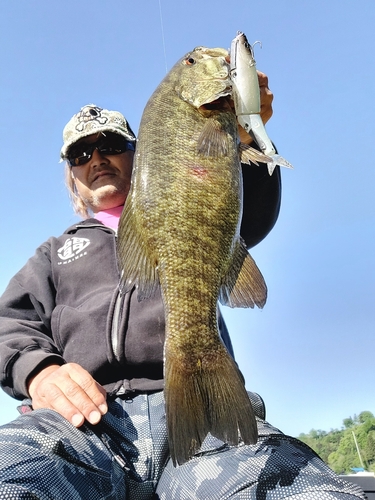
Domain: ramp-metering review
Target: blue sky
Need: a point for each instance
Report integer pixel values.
(310, 351)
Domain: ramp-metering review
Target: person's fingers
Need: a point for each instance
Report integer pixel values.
(266, 97)
(71, 391)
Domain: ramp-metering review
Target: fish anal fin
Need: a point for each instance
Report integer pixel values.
(135, 262)
(244, 285)
(212, 399)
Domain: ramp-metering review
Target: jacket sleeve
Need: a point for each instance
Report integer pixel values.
(261, 204)
(25, 324)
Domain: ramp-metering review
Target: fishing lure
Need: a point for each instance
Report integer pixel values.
(246, 97)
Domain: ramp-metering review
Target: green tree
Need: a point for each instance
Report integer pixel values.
(370, 448)
(348, 422)
(345, 457)
(364, 416)
(337, 447)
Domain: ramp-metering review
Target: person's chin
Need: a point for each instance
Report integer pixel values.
(108, 196)
(107, 188)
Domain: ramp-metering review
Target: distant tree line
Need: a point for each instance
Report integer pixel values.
(338, 448)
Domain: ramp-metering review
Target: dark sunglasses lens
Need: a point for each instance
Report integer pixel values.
(114, 144)
(80, 154)
(110, 144)
(76, 161)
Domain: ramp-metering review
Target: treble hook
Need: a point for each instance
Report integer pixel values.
(258, 41)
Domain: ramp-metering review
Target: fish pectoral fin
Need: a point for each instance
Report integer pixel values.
(250, 155)
(135, 263)
(213, 140)
(244, 285)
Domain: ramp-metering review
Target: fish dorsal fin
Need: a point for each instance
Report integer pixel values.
(250, 155)
(136, 264)
(213, 140)
(244, 285)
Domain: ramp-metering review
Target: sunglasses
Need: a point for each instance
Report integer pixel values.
(107, 145)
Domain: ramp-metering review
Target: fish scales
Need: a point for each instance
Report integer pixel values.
(180, 228)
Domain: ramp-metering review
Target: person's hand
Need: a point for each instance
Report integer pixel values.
(71, 391)
(266, 98)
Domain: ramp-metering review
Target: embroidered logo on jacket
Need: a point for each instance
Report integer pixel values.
(73, 249)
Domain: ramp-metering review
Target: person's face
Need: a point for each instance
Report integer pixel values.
(104, 181)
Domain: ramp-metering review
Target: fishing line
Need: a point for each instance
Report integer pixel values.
(162, 35)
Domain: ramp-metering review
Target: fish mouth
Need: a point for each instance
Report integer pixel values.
(223, 103)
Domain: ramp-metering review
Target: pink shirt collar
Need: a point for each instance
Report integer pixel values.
(110, 217)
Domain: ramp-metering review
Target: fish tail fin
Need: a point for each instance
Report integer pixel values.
(210, 399)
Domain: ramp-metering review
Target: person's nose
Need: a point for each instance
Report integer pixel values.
(98, 159)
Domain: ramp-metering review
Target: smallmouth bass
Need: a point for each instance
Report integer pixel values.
(180, 229)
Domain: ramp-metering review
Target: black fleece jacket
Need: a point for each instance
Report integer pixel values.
(59, 307)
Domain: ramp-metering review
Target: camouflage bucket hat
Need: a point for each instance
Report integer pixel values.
(90, 120)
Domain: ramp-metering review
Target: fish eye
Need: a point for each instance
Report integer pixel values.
(190, 61)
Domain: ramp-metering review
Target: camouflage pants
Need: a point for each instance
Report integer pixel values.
(125, 456)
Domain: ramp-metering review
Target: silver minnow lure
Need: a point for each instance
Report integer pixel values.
(246, 97)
